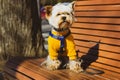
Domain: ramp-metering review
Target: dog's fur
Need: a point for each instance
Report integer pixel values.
(61, 16)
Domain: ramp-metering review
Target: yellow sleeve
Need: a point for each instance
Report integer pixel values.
(71, 48)
(53, 45)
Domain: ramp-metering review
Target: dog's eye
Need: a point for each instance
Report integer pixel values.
(67, 13)
(58, 14)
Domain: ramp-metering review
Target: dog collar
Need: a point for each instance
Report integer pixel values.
(59, 30)
(62, 39)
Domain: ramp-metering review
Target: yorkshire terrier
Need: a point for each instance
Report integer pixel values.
(60, 40)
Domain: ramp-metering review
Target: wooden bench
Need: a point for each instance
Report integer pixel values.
(97, 37)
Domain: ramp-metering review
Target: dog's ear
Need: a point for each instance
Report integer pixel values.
(72, 5)
(48, 10)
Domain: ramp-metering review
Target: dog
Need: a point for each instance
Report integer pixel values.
(60, 40)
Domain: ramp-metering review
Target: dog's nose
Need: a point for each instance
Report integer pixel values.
(64, 18)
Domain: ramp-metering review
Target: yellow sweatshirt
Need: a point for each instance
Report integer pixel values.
(54, 46)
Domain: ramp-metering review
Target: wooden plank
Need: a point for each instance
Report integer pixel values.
(108, 74)
(108, 14)
(16, 74)
(28, 71)
(113, 69)
(112, 21)
(96, 33)
(72, 75)
(36, 62)
(98, 2)
(99, 21)
(97, 26)
(109, 41)
(105, 54)
(106, 65)
(51, 74)
(101, 46)
(36, 70)
(109, 77)
(98, 8)
(63, 74)
(65, 71)
(110, 62)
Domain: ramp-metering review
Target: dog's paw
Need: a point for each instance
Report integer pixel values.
(75, 66)
(53, 64)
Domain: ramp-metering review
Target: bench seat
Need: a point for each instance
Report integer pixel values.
(30, 69)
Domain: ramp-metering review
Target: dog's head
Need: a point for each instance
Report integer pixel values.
(60, 15)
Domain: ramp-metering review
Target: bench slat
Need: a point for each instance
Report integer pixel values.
(28, 71)
(108, 14)
(98, 2)
(98, 8)
(106, 61)
(113, 69)
(96, 32)
(113, 21)
(105, 54)
(101, 62)
(89, 38)
(36, 69)
(14, 74)
(104, 27)
(108, 74)
(101, 46)
(72, 75)
(32, 68)
(99, 21)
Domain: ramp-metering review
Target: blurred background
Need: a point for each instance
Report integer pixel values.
(23, 28)
(52, 2)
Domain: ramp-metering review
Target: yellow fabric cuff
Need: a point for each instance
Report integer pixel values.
(53, 57)
(72, 57)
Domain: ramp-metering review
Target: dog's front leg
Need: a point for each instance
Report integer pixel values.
(51, 64)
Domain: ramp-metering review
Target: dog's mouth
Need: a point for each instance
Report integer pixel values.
(64, 24)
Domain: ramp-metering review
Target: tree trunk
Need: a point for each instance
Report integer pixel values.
(20, 29)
